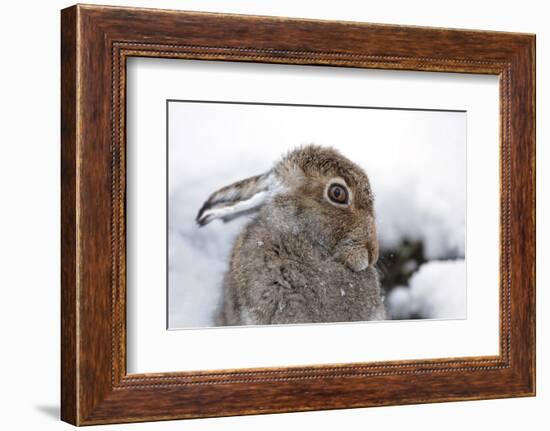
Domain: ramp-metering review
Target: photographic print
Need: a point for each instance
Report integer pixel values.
(304, 214)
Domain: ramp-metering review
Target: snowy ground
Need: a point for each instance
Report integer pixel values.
(436, 290)
(416, 161)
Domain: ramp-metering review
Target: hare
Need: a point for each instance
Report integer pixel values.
(308, 255)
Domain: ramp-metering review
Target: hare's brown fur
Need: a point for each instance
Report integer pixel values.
(302, 259)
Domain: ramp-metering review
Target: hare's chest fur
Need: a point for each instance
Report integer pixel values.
(278, 278)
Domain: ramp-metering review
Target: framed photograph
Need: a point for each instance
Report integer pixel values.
(265, 214)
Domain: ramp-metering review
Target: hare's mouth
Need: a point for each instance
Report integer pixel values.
(358, 261)
(354, 254)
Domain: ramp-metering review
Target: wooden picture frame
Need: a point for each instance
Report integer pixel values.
(95, 43)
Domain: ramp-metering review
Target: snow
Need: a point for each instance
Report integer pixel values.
(415, 161)
(436, 291)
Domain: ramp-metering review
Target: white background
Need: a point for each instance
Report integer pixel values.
(153, 349)
(29, 227)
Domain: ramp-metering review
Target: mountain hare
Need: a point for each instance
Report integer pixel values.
(309, 253)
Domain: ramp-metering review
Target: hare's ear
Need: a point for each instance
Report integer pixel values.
(240, 198)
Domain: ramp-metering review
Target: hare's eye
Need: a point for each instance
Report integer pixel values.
(337, 193)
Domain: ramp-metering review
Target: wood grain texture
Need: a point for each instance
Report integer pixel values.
(96, 41)
(69, 331)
